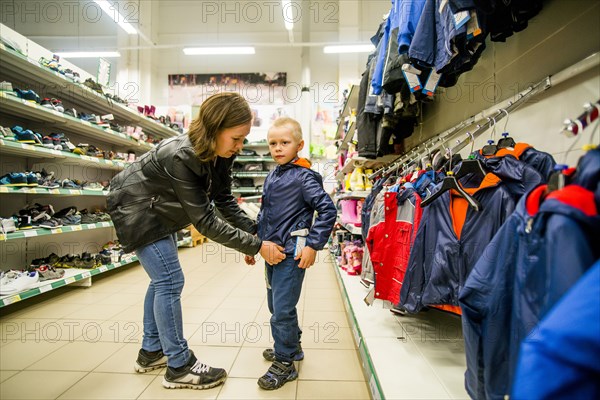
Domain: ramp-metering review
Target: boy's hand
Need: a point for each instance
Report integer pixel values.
(272, 253)
(307, 257)
(249, 260)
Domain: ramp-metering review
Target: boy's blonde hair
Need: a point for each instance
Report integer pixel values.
(291, 124)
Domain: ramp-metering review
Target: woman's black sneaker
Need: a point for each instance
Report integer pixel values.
(269, 354)
(194, 375)
(278, 374)
(150, 360)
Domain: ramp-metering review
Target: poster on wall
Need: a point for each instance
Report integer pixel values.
(265, 92)
(257, 88)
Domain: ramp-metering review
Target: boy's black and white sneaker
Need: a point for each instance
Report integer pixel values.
(269, 354)
(278, 374)
(148, 361)
(194, 375)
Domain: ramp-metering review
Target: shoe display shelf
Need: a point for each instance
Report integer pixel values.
(28, 233)
(342, 133)
(359, 194)
(51, 192)
(80, 277)
(58, 85)
(254, 158)
(11, 147)
(353, 229)
(367, 163)
(14, 106)
(244, 190)
(250, 174)
(346, 283)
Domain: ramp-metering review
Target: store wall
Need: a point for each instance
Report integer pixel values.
(564, 33)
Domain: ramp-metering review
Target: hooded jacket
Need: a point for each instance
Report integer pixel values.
(541, 251)
(169, 188)
(389, 242)
(449, 241)
(291, 194)
(565, 346)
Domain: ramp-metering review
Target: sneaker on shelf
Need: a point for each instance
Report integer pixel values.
(269, 354)
(13, 179)
(23, 222)
(278, 375)
(28, 95)
(69, 184)
(24, 135)
(149, 360)
(193, 375)
(47, 103)
(20, 283)
(32, 179)
(58, 106)
(47, 272)
(71, 112)
(7, 225)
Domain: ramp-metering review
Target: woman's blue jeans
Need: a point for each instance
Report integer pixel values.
(163, 321)
(284, 284)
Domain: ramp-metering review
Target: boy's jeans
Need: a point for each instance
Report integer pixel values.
(163, 323)
(284, 284)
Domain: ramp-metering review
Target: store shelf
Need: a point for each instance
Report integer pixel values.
(241, 190)
(365, 356)
(16, 65)
(353, 229)
(10, 147)
(248, 174)
(17, 107)
(366, 163)
(254, 159)
(351, 102)
(72, 275)
(29, 233)
(256, 145)
(348, 135)
(353, 195)
(51, 192)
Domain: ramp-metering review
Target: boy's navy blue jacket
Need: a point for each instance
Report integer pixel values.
(565, 347)
(291, 194)
(541, 251)
(441, 259)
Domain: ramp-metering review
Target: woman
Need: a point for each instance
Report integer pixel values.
(179, 182)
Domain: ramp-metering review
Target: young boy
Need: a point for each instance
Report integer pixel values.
(291, 194)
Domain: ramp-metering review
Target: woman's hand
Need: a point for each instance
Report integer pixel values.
(272, 253)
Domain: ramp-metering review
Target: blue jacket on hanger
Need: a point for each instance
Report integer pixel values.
(541, 251)
(448, 244)
(564, 346)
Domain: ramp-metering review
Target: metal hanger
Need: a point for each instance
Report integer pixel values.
(506, 141)
(490, 149)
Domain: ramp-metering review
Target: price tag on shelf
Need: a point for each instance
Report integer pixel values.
(103, 268)
(45, 288)
(12, 299)
(57, 230)
(30, 233)
(54, 191)
(2, 237)
(86, 274)
(77, 228)
(3, 189)
(105, 224)
(69, 280)
(74, 191)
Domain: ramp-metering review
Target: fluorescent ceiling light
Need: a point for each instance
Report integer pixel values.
(112, 12)
(89, 54)
(288, 15)
(350, 48)
(194, 51)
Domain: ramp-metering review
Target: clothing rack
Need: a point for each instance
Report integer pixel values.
(573, 127)
(451, 137)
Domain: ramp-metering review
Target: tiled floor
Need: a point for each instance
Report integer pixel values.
(81, 343)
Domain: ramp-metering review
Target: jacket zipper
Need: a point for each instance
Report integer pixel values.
(153, 200)
(529, 225)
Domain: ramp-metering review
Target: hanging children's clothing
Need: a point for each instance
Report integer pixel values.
(390, 241)
(564, 346)
(539, 253)
(450, 240)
